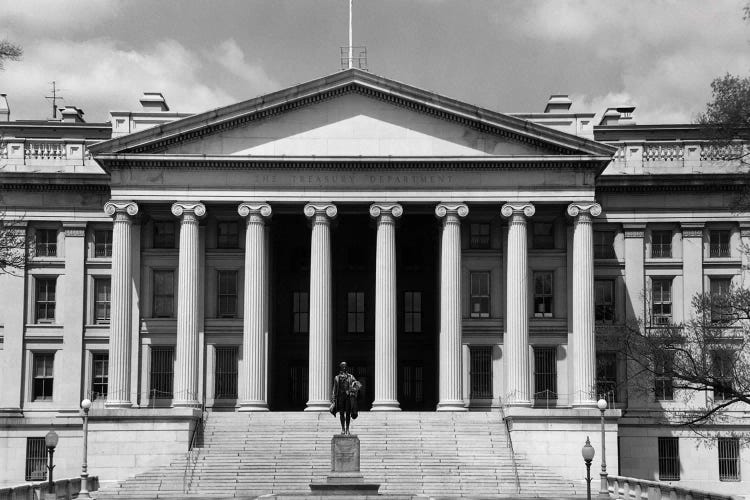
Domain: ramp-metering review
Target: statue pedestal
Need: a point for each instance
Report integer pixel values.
(345, 477)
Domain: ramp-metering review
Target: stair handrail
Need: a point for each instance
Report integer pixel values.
(506, 423)
(192, 458)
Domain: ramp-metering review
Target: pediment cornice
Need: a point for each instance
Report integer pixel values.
(162, 137)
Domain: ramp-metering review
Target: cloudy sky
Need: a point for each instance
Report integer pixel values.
(508, 56)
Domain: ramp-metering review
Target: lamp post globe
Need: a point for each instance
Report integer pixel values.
(588, 453)
(601, 404)
(50, 441)
(84, 492)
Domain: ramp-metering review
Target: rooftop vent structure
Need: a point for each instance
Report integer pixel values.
(72, 114)
(154, 102)
(558, 103)
(4, 109)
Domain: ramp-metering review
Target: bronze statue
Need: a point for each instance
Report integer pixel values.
(344, 397)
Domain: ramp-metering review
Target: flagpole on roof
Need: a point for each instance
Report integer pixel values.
(351, 49)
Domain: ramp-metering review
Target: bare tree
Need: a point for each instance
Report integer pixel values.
(708, 355)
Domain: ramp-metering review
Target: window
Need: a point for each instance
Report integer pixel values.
(481, 371)
(36, 459)
(46, 243)
(412, 384)
(545, 373)
(661, 244)
(301, 312)
(479, 236)
(480, 295)
(43, 377)
(103, 243)
(45, 300)
(604, 242)
(355, 312)
(604, 301)
(606, 375)
(543, 235)
(225, 382)
(661, 301)
(227, 300)
(669, 459)
(718, 245)
(663, 376)
(99, 375)
(720, 288)
(227, 235)
(413, 312)
(163, 294)
(164, 235)
(722, 363)
(102, 300)
(729, 459)
(162, 373)
(543, 294)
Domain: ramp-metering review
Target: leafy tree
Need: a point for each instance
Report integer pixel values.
(9, 52)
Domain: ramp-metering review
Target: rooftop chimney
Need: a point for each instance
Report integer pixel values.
(154, 102)
(72, 114)
(620, 115)
(558, 103)
(4, 109)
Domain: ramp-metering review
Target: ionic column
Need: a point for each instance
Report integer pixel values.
(385, 306)
(450, 393)
(118, 393)
(321, 335)
(584, 340)
(188, 304)
(517, 305)
(253, 375)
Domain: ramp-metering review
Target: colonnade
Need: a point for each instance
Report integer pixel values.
(253, 373)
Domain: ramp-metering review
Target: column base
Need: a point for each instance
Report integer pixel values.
(253, 406)
(519, 402)
(584, 404)
(457, 405)
(118, 404)
(318, 406)
(386, 405)
(189, 403)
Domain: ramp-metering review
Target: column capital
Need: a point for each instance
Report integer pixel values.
(128, 208)
(195, 208)
(253, 208)
(393, 209)
(591, 208)
(634, 230)
(510, 209)
(692, 229)
(326, 209)
(449, 208)
(744, 229)
(74, 229)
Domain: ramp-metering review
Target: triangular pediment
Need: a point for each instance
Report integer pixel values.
(351, 114)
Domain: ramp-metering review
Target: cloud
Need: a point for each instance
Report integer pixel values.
(100, 75)
(49, 17)
(231, 57)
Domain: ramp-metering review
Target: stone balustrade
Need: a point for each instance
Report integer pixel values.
(43, 151)
(630, 488)
(65, 489)
(671, 155)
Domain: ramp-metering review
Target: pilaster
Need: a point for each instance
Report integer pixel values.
(73, 314)
(517, 305)
(188, 305)
(584, 340)
(120, 323)
(253, 386)
(321, 335)
(692, 265)
(450, 386)
(12, 329)
(385, 307)
(745, 253)
(634, 270)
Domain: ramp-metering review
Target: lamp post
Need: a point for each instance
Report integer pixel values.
(84, 493)
(50, 441)
(603, 488)
(588, 455)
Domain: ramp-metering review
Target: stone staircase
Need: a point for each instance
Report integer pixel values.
(409, 453)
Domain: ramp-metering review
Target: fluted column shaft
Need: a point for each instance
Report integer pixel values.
(321, 335)
(386, 397)
(188, 304)
(517, 305)
(584, 340)
(253, 396)
(450, 390)
(118, 393)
